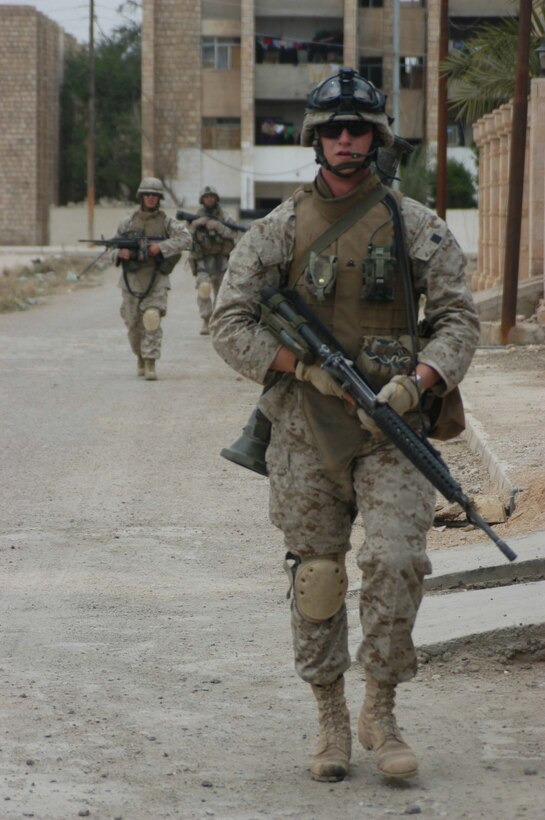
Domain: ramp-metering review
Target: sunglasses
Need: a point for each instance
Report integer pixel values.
(333, 130)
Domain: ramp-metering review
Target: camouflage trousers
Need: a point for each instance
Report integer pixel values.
(210, 270)
(144, 343)
(315, 510)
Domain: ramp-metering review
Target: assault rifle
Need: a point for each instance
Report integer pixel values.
(294, 324)
(134, 241)
(187, 217)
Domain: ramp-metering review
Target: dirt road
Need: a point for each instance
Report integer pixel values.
(145, 656)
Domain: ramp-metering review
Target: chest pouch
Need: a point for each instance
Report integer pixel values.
(379, 270)
(321, 275)
(382, 358)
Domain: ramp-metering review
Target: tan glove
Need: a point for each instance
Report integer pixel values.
(320, 378)
(201, 222)
(214, 225)
(401, 393)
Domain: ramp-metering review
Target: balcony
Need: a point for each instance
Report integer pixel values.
(305, 8)
(292, 164)
(289, 82)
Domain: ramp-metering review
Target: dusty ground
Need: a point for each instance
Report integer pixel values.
(505, 394)
(26, 279)
(145, 656)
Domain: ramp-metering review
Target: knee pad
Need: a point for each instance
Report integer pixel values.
(320, 586)
(204, 290)
(151, 319)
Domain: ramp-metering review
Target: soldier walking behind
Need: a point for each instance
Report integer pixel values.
(212, 244)
(326, 460)
(145, 280)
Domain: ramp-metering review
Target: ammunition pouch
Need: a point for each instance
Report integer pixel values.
(380, 359)
(379, 274)
(320, 275)
(167, 263)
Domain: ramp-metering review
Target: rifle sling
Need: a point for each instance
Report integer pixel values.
(344, 223)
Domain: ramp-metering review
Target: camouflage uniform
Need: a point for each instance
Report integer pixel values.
(210, 255)
(315, 494)
(147, 343)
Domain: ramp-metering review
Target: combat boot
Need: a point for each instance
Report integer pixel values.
(140, 366)
(331, 761)
(204, 331)
(378, 731)
(149, 370)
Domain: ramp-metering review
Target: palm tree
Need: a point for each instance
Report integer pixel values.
(482, 76)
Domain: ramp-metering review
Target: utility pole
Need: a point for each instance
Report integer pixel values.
(516, 174)
(91, 125)
(442, 93)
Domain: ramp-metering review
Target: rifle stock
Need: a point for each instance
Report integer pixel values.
(283, 313)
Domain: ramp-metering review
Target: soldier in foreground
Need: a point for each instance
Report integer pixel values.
(213, 241)
(145, 280)
(326, 461)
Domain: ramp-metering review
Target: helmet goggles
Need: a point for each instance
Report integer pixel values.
(346, 91)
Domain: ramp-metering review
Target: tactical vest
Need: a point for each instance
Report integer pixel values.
(345, 310)
(153, 223)
(210, 243)
(353, 319)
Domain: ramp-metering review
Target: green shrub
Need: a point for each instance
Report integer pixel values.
(460, 186)
(419, 181)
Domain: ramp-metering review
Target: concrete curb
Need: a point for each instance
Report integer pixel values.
(477, 441)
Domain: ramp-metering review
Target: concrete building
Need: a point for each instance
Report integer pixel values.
(225, 83)
(32, 51)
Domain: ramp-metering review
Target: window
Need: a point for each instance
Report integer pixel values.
(221, 53)
(221, 132)
(371, 4)
(411, 72)
(371, 69)
(275, 131)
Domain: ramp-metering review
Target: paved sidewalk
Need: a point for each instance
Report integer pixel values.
(462, 612)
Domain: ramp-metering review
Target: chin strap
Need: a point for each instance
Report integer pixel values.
(358, 163)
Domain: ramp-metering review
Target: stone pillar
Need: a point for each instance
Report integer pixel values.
(171, 83)
(536, 162)
(387, 66)
(504, 133)
(481, 137)
(476, 279)
(148, 87)
(496, 239)
(351, 38)
(31, 61)
(247, 93)
(524, 254)
(432, 70)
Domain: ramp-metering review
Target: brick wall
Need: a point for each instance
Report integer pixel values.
(31, 54)
(171, 81)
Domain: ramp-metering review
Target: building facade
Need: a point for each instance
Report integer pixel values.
(225, 83)
(32, 51)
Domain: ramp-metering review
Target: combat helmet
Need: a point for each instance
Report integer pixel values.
(210, 190)
(349, 97)
(151, 185)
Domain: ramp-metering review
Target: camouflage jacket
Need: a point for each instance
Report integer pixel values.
(265, 253)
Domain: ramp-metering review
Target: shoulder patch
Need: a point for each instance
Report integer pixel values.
(428, 241)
